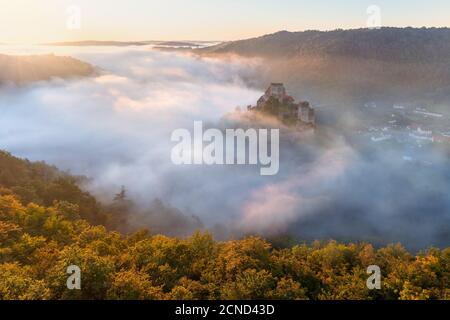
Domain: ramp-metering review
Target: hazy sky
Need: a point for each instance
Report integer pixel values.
(31, 21)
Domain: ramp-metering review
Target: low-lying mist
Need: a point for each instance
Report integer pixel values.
(115, 128)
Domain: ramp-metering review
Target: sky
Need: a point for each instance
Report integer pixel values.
(31, 21)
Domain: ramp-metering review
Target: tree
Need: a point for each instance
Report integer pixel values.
(250, 284)
(288, 289)
(96, 273)
(17, 283)
(122, 195)
(133, 285)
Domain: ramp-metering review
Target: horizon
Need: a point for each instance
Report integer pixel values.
(81, 20)
(221, 41)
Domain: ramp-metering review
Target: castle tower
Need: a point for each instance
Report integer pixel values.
(276, 90)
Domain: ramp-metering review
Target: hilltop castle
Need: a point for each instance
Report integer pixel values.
(277, 102)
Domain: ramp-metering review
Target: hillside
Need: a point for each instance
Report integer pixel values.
(48, 223)
(385, 44)
(25, 69)
(362, 64)
(42, 184)
(45, 185)
(38, 244)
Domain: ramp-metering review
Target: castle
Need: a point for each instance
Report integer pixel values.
(277, 102)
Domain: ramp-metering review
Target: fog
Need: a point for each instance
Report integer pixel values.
(115, 128)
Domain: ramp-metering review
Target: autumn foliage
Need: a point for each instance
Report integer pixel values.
(38, 242)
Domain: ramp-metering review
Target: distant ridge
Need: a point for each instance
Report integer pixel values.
(193, 44)
(385, 44)
(24, 69)
(101, 43)
(364, 64)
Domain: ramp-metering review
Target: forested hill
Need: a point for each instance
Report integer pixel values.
(38, 244)
(39, 183)
(25, 69)
(385, 44)
(44, 229)
(343, 67)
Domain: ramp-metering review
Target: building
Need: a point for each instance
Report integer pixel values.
(306, 113)
(275, 90)
(277, 102)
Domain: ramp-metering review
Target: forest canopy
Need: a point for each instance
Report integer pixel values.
(48, 223)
